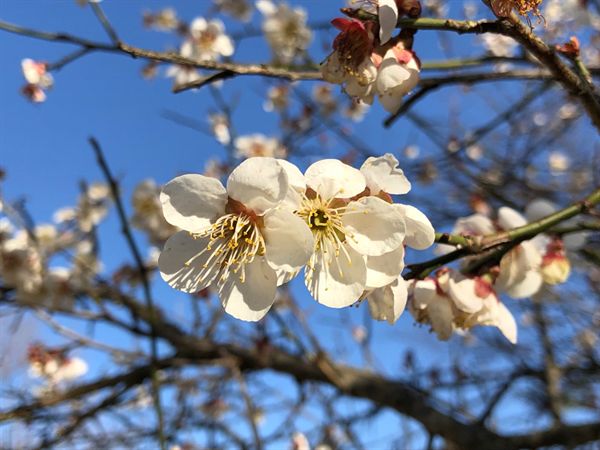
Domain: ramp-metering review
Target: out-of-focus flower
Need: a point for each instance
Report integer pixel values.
(54, 366)
(219, 125)
(238, 9)
(285, 29)
(183, 74)
(164, 20)
(148, 215)
(355, 110)
(207, 41)
(235, 238)
(21, 264)
(499, 45)
(258, 145)
(324, 98)
(299, 442)
(558, 162)
(277, 98)
(38, 80)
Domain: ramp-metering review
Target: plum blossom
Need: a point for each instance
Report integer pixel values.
(21, 264)
(38, 79)
(207, 41)
(54, 366)
(258, 145)
(183, 74)
(499, 45)
(238, 9)
(285, 29)
(277, 98)
(164, 20)
(219, 125)
(148, 215)
(386, 289)
(450, 301)
(398, 75)
(346, 231)
(238, 238)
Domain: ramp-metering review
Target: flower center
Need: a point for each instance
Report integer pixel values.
(234, 241)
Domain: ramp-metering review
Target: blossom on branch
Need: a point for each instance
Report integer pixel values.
(39, 80)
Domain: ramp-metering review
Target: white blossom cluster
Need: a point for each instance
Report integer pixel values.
(369, 64)
(38, 80)
(27, 255)
(53, 367)
(271, 221)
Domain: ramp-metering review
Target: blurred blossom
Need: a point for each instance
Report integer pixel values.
(359, 334)
(411, 151)
(453, 145)
(436, 8)
(164, 20)
(427, 172)
(299, 442)
(183, 74)
(285, 29)
(54, 366)
(214, 169)
(277, 98)
(21, 264)
(219, 125)
(258, 145)
(564, 15)
(238, 9)
(323, 96)
(474, 152)
(38, 80)
(540, 119)
(355, 110)
(568, 111)
(207, 41)
(148, 215)
(470, 9)
(499, 45)
(558, 162)
(150, 70)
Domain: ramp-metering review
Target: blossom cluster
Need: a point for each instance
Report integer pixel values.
(369, 63)
(27, 255)
(53, 366)
(336, 222)
(38, 80)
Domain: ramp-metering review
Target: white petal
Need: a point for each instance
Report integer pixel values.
(250, 299)
(539, 208)
(180, 267)
(336, 280)
(474, 225)
(224, 44)
(527, 286)
(266, 7)
(192, 202)
(383, 270)
(376, 227)
(259, 183)
(506, 323)
(296, 185)
(388, 303)
(388, 17)
(332, 178)
(391, 102)
(284, 277)
(198, 25)
(462, 292)
(509, 218)
(382, 174)
(395, 76)
(288, 239)
(517, 264)
(419, 231)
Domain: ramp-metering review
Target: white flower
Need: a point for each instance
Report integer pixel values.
(164, 20)
(558, 162)
(398, 74)
(234, 237)
(219, 125)
(345, 230)
(383, 174)
(148, 215)
(183, 74)
(277, 98)
(388, 17)
(258, 145)
(207, 41)
(38, 80)
(499, 45)
(239, 9)
(388, 302)
(21, 264)
(285, 29)
(299, 442)
(452, 301)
